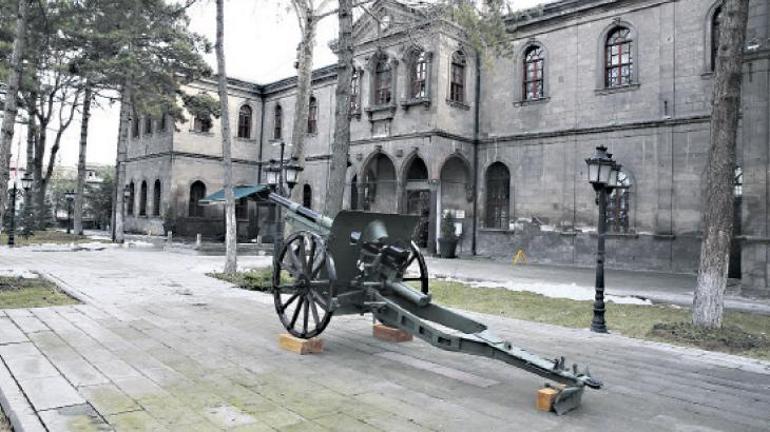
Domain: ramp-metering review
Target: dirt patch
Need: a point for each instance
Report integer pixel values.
(729, 338)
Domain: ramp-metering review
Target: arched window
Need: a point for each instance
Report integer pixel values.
(143, 199)
(244, 122)
(418, 75)
(498, 196)
(156, 198)
(202, 123)
(533, 73)
(131, 196)
(197, 193)
(619, 62)
(277, 122)
(457, 84)
(312, 116)
(135, 125)
(382, 81)
(355, 91)
(148, 124)
(354, 193)
(716, 21)
(307, 196)
(618, 206)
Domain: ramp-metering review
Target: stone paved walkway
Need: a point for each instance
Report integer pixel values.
(158, 345)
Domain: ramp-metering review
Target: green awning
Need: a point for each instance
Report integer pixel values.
(242, 191)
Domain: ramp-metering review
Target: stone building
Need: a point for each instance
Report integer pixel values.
(500, 142)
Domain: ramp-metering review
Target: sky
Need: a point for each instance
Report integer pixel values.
(261, 37)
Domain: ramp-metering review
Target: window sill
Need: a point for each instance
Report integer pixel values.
(618, 89)
(311, 134)
(407, 103)
(249, 140)
(208, 134)
(458, 104)
(707, 75)
(628, 235)
(526, 102)
(496, 230)
(355, 114)
(380, 108)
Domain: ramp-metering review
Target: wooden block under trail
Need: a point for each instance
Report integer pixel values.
(300, 346)
(545, 397)
(390, 334)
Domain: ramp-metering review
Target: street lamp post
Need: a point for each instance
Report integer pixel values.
(276, 174)
(603, 176)
(26, 182)
(70, 197)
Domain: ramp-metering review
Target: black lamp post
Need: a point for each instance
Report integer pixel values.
(26, 183)
(603, 176)
(276, 174)
(70, 197)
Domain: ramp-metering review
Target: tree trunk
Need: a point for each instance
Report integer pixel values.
(80, 188)
(231, 236)
(120, 164)
(11, 108)
(718, 212)
(304, 84)
(341, 144)
(29, 206)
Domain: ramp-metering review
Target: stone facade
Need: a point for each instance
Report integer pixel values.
(429, 154)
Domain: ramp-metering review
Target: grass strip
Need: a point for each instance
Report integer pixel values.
(16, 292)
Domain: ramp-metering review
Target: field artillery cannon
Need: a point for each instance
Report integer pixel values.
(363, 262)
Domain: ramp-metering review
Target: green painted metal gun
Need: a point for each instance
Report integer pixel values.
(363, 262)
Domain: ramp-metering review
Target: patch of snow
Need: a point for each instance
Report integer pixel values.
(571, 291)
(217, 264)
(138, 243)
(547, 228)
(17, 273)
(100, 237)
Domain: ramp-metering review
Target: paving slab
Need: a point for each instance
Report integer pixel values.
(77, 417)
(10, 333)
(50, 392)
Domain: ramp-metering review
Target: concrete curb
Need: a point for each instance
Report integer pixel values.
(15, 404)
(70, 291)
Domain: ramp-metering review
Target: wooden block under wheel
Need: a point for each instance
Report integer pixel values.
(300, 346)
(390, 334)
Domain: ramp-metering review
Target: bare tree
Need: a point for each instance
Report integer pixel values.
(231, 264)
(341, 143)
(708, 303)
(10, 109)
(81, 182)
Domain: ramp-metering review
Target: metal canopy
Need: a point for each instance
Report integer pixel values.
(242, 191)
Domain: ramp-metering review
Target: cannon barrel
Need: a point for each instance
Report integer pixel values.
(301, 212)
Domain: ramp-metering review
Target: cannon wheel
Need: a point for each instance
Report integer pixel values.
(303, 282)
(415, 257)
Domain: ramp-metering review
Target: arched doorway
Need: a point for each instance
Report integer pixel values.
(417, 195)
(455, 197)
(380, 185)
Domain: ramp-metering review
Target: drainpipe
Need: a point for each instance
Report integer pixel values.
(476, 117)
(261, 140)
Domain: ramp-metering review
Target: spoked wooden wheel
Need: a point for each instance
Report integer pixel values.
(416, 270)
(303, 281)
